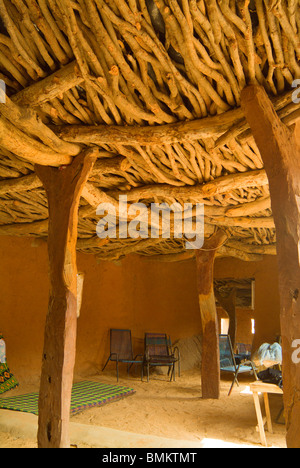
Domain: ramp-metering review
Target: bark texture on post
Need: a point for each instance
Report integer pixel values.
(63, 187)
(210, 367)
(281, 156)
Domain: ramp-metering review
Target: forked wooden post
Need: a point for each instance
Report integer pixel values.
(280, 152)
(210, 367)
(63, 187)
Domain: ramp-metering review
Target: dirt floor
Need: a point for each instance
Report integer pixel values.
(172, 410)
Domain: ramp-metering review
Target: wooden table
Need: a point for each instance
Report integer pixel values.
(264, 388)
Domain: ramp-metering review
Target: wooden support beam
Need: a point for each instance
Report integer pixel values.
(210, 370)
(280, 153)
(63, 187)
(218, 186)
(179, 132)
(247, 209)
(150, 135)
(244, 221)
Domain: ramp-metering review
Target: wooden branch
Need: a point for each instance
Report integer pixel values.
(245, 222)
(31, 181)
(228, 251)
(247, 209)
(19, 143)
(263, 249)
(218, 186)
(230, 123)
(28, 121)
(150, 135)
(19, 184)
(50, 87)
(25, 229)
(170, 258)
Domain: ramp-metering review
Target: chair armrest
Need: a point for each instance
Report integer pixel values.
(139, 355)
(174, 350)
(114, 354)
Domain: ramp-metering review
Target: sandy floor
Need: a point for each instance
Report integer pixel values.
(173, 410)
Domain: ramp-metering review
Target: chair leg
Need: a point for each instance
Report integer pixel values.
(106, 363)
(233, 382)
(230, 390)
(173, 372)
(117, 367)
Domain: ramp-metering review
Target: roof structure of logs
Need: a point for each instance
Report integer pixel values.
(154, 88)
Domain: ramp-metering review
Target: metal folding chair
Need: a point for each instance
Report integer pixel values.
(228, 363)
(121, 350)
(159, 352)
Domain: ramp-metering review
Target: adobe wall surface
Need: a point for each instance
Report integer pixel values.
(138, 294)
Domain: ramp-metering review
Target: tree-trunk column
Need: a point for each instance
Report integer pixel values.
(281, 157)
(210, 367)
(63, 187)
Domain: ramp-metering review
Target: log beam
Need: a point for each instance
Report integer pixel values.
(63, 187)
(210, 367)
(281, 155)
(218, 186)
(50, 87)
(179, 132)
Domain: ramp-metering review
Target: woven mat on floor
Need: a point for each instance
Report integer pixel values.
(84, 395)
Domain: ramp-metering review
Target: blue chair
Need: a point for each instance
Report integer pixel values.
(228, 363)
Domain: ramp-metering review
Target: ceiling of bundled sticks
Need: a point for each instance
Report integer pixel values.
(154, 87)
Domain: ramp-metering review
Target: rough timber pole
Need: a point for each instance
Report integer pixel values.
(210, 367)
(280, 152)
(63, 187)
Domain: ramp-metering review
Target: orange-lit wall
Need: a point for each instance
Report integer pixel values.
(138, 293)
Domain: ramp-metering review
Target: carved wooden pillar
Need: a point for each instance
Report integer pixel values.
(210, 367)
(281, 156)
(63, 187)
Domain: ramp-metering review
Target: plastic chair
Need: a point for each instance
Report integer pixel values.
(121, 350)
(228, 362)
(159, 352)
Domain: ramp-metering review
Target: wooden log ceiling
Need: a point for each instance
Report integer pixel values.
(155, 86)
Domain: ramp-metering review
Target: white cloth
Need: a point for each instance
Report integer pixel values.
(268, 355)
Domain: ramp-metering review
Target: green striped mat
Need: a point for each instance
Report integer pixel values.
(85, 395)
